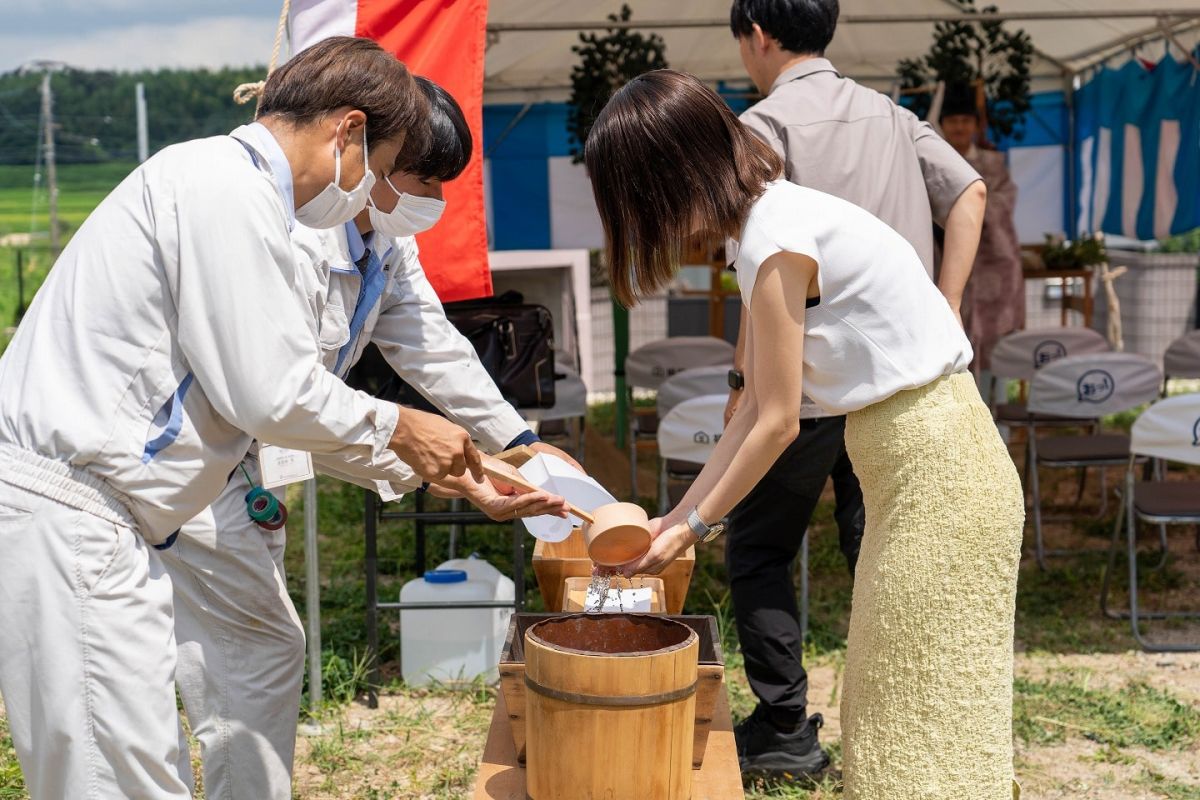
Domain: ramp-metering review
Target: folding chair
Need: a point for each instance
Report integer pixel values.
(687, 434)
(1018, 356)
(566, 420)
(1085, 386)
(651, 364)
(1182, 359)
(1167, 431)
(697, 382)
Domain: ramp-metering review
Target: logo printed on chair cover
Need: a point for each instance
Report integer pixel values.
(1196, 433)
(1046, 352)
(1094, 386)
(703, 437)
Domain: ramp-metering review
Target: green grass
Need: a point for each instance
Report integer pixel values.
(81, 188)
(12, 787)
(1167, 787)
(1050, 711)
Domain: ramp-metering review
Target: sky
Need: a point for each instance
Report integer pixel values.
(135, 34)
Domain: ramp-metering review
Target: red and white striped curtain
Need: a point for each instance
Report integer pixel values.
(444, 40)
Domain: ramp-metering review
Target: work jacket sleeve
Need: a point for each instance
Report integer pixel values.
(430, 354)
(243, 330)
(390, 482)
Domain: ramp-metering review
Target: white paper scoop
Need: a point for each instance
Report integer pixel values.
(558, 477)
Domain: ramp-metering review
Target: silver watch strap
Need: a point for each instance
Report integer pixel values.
(696, 524)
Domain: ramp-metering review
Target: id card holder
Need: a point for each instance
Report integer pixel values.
(280, 466)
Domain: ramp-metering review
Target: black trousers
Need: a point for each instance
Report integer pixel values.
(765, 535)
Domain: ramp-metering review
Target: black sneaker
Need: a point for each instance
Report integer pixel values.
(763, 749)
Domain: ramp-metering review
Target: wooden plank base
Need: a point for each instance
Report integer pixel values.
(501, 778)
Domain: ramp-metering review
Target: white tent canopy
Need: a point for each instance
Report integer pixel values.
(529, 54)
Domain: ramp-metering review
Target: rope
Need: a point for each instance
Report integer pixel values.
(243, 93)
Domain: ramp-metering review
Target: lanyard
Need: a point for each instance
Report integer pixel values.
(373, 280)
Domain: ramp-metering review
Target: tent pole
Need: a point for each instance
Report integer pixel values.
(620, 351)
(847, 19)
(1072, 219)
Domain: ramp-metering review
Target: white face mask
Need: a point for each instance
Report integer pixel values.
(334, 205)
(411, 216)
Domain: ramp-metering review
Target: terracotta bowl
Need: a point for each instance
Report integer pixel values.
(620, 534)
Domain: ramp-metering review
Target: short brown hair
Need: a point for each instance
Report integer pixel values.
(669, 160)
(348, 71)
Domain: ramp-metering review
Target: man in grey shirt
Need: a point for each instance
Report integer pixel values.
(845, 139)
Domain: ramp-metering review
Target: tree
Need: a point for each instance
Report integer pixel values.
(974, 50)
(606, 63)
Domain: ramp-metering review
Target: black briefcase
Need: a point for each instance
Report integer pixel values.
(515, 343)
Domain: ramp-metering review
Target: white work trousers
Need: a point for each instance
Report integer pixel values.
(87, 640)
(241, 649)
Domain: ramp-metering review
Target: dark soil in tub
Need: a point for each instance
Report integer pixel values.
(612, 634)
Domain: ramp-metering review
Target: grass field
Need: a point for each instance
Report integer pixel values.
(1093, 718)
(81, 188)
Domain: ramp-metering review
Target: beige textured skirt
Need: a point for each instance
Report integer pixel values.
(927, 698)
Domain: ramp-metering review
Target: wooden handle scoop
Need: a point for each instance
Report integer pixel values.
(506, 473)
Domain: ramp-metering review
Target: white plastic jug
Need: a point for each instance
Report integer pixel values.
(454, 645)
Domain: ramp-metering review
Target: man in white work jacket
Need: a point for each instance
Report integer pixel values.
(241, 643)
(169, 335)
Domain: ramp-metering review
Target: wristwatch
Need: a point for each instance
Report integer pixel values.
(736, 379)
(704, 532)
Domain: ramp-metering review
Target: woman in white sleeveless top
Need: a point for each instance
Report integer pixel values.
(840, 308)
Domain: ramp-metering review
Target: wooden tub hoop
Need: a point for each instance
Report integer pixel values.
(637, 701)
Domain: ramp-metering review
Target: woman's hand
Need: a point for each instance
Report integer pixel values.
(668, 544)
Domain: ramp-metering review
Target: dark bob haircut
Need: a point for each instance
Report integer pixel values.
(669, 162)
(345, 71)
(448, 149)
(800, 26)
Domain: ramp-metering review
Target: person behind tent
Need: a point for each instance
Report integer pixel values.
(169, 335)
(994, 301)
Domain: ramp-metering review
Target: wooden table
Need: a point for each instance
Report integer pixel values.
(1083, 304)
(500, 777)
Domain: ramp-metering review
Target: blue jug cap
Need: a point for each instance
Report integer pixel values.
(445, 576)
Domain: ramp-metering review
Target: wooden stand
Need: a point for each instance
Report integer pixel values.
(554, 562)
(501, 778)
(575, 592)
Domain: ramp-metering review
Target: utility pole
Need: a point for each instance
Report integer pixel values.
(51, 167)
(143, 137)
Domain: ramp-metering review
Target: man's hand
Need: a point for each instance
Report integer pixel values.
(434, 447)
(507, 504)
(668, 544)
(735, 395)
(551, 450)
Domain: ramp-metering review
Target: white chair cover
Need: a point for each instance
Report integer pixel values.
(1182, 359)
(651, 364)
(1095, 384)
(1019, 355)
(691, 429)
(695, 382)
(1169, 429)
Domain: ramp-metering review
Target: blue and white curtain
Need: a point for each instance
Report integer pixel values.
(1138, 150)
